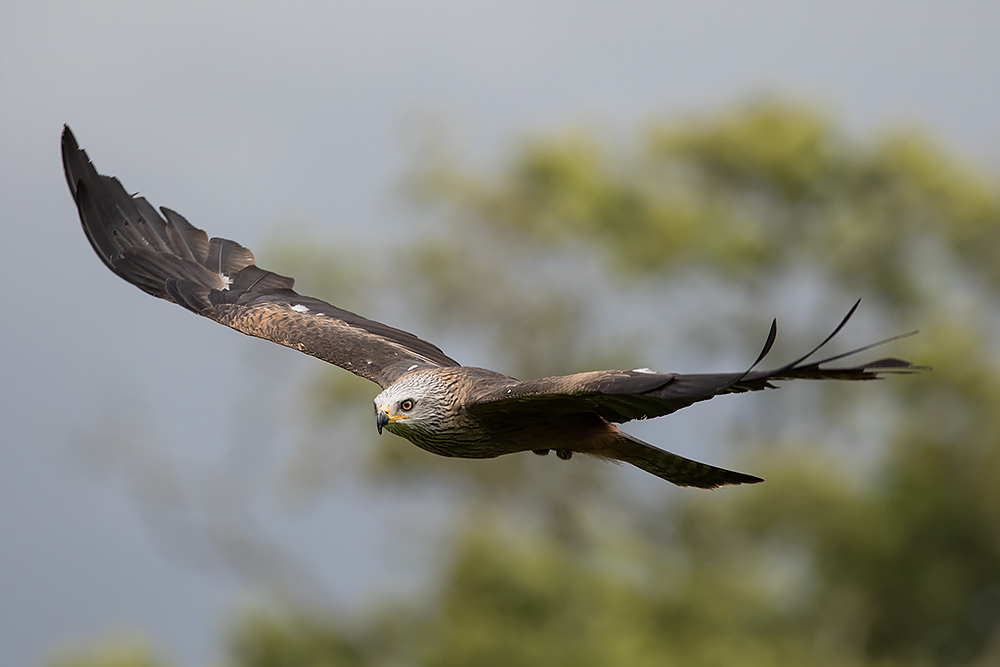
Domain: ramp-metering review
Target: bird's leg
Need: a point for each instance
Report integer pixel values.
(540, 452)
(564, 454)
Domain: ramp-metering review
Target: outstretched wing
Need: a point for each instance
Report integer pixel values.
(171, 259)
(621, 396)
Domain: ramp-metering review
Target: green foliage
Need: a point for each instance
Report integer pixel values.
(285, 639)
(747, 193)
(118, 652)
(786, 151)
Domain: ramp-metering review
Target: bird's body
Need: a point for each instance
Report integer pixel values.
(444, 403)
(427, 397)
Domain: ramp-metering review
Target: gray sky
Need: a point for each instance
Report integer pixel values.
(244, 116)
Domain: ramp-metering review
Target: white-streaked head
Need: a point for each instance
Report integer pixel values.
(417, 403)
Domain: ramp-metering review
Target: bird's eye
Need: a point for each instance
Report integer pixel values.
(406, 405)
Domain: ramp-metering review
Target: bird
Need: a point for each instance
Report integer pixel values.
(426, 396)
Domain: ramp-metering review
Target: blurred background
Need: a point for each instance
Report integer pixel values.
(539, 187)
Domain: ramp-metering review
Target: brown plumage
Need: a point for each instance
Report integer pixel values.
(427, 397)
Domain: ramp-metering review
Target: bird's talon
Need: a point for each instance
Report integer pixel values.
(564, 454)
(540, 452)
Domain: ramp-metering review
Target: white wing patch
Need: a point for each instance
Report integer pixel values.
(226, 281)
(411, 367)
(299, 308)
(644, 370)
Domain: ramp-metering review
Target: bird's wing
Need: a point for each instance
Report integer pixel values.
(621, 396)
(171, 259)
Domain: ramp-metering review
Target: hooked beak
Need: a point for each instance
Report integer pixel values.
(381, 418)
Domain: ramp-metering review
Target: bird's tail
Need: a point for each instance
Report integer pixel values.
(671, 467)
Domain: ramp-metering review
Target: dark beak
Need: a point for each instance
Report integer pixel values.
(381, 419)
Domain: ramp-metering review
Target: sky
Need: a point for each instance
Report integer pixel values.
(255, 119)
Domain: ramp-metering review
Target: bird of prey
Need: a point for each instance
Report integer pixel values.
(427, 397)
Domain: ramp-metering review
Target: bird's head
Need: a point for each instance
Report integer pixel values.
(417, 403)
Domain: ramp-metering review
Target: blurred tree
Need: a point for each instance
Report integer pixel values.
(837, 560)
(114, 652)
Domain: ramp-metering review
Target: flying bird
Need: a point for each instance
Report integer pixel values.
(427, 397)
